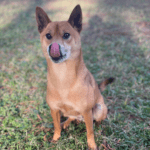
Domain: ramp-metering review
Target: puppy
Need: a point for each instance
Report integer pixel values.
(71, 88)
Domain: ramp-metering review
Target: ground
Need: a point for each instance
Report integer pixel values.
(115, 42)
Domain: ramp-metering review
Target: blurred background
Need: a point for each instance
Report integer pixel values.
(115, 42)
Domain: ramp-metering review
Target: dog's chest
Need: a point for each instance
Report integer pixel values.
(60, 73)
(69, 109)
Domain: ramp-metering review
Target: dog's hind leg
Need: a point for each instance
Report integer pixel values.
(66, 123)
(99, 111)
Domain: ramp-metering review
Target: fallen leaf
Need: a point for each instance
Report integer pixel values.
(118, 141)
(45, 139)
(39, 117)
(104, 146)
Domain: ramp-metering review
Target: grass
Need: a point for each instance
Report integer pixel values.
(115, 42)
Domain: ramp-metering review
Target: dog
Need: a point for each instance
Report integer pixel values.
(71, 88)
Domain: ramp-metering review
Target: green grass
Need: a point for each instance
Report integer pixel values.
(115, 43)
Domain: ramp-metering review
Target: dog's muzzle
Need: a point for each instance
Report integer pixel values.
(58, 53)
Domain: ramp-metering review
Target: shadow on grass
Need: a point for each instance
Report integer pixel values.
(23, 23)
(111, 50)
(136, 4)
(102, 41)
(136, 13)
(113, 40)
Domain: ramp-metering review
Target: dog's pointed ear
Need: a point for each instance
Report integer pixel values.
(42, 19)
(76, 18)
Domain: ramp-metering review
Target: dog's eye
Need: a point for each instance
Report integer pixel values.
(66, 36)
(48, 36)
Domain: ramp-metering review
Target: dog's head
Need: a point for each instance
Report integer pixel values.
(60, 40)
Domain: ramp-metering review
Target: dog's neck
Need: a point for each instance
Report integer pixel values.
(65, 74)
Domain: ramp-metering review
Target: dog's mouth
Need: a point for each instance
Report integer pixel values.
(55, 53)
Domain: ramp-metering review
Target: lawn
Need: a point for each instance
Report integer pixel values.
(115, 42)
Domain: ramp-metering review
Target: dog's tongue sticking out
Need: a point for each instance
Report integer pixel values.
(54, 52)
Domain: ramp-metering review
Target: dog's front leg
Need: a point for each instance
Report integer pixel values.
(88, 118)
(57, 127)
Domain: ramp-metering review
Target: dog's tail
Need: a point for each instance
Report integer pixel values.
(103, 84)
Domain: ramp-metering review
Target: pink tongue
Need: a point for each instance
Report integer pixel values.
(54, 52)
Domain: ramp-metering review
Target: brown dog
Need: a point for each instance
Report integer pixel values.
(71, 88)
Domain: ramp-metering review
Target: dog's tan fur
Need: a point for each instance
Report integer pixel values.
(71, 88)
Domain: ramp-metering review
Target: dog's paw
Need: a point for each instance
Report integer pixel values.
(55, 138)
(64, 125)
(92, 146)
(53, 141)
(95, 148)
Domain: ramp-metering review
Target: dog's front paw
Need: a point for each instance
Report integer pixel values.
(55, 138)
(53, 141)
(92, 146)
